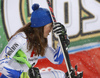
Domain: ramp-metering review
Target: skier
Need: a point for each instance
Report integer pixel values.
(31, 41)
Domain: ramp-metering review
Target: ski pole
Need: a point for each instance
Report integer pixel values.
(64, 46)
(54, 20)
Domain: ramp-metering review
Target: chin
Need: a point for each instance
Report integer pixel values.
(45, 36)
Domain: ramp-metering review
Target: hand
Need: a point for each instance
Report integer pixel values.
(59, 29)
(33, 72)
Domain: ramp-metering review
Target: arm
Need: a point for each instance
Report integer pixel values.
(7, 54)
(57, 55)
(54, 56)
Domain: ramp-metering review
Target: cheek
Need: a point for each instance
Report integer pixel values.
(46, 30)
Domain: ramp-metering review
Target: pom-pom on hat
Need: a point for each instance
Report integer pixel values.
(40, 16)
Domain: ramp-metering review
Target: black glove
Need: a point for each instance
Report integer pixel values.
(59, 29)
(34, 73)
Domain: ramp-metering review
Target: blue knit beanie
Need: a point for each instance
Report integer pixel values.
(40, 16)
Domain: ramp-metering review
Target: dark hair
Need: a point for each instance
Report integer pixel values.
(35, 37)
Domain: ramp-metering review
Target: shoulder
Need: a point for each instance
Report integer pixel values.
(20, 37)
(21, 34)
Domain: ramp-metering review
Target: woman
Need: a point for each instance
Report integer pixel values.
(32, 40)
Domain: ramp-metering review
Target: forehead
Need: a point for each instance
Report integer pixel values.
(50, 24)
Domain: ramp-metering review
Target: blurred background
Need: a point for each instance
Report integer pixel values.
(81, 18)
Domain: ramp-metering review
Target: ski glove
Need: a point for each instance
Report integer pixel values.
(59, 29)
(33, 72)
